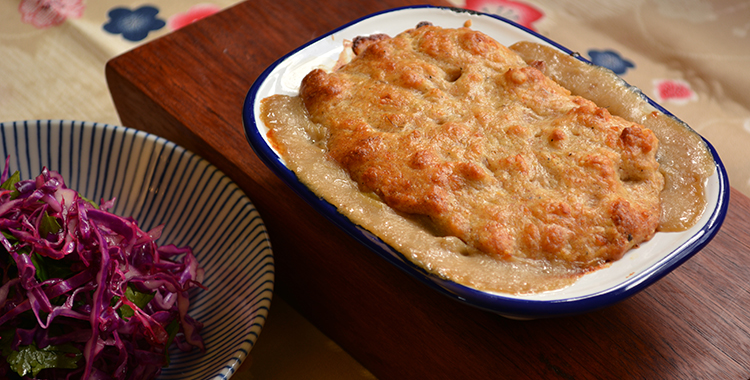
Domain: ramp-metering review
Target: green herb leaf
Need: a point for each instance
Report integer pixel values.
(30, 360)
(12, 239)
(10, 184)
(14, 242)
(49, 225)
(96, 206)
(48, 268)
(41, 269)
(4, 251)
(137, 297)
(172, 329)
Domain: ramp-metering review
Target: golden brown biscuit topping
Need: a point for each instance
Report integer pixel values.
(451, 125)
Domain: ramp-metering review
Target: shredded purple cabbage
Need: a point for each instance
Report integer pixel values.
(90, 280)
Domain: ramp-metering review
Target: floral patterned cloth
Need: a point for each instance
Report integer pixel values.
(54, 51)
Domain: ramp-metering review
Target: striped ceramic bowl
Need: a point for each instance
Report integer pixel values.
(157, 182)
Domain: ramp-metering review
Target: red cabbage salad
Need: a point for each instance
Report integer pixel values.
(86, 294)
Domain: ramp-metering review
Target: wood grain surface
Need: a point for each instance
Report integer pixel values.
(189, 87)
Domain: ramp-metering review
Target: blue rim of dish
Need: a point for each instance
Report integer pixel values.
(505, 305)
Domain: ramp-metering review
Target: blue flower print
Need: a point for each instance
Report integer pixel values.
(134, 25)
(611, 60)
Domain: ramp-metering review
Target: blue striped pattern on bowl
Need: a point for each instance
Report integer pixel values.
(158, 182)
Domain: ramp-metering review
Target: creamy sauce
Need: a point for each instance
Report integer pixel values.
(683, 158)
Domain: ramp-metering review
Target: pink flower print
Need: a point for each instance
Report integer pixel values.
(674, 90)
(516, 11)
(193, 14)
(46, 13)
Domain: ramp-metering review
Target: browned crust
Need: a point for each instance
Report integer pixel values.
(450, 124)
